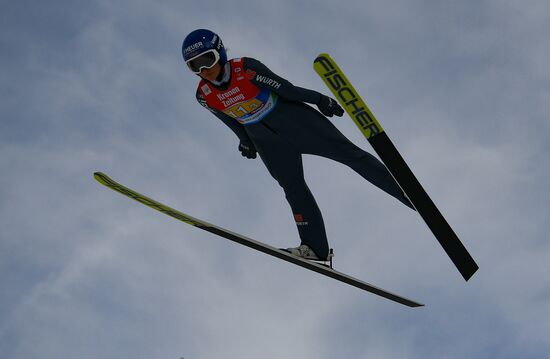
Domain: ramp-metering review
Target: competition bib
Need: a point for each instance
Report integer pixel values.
(242, 100)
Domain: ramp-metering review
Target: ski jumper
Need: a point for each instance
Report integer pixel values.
(259, 106)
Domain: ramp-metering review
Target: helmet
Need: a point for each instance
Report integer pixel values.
(203, 42)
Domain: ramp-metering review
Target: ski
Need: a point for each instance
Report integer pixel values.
(251, 243)
(356, 108)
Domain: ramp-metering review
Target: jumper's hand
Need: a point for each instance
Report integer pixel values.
(247, 149)
(329, 107)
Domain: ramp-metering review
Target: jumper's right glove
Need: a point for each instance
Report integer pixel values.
(247, 149)
(329, 107)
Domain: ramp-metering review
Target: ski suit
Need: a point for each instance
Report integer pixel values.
(261, 107)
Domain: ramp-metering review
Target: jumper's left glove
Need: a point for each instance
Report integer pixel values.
(247, 149)
(329, 107)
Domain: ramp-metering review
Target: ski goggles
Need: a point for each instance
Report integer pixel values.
(206, 60)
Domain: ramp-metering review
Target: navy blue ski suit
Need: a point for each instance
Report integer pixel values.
(286, 129)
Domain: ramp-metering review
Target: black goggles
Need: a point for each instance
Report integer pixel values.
(205, 60)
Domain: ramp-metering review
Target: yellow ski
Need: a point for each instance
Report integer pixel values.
(251, 243)
(356, 108)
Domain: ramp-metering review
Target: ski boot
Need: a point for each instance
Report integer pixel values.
(305, 252)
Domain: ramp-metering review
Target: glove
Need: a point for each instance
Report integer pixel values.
(329, 107)
(247, 149)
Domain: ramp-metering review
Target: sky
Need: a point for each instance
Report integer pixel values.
(462, 89)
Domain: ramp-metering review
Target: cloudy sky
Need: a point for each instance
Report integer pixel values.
(462, 88)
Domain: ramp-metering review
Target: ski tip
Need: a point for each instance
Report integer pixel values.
(322, 55)
(101, 177)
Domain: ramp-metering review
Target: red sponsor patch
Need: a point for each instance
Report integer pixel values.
(250, 74)
(298, 217)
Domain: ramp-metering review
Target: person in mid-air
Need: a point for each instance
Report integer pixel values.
(270, 117)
